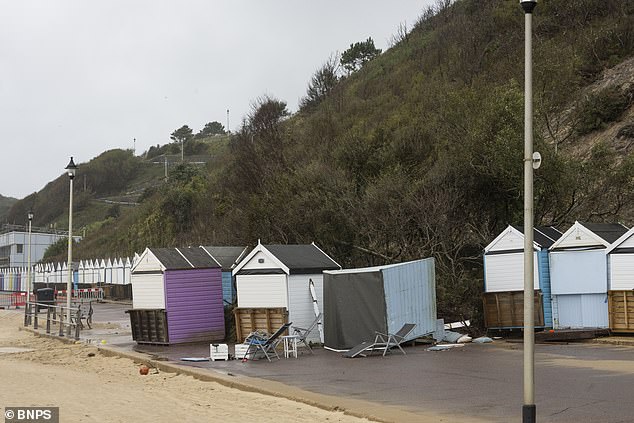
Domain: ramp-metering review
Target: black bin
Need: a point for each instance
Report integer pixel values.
(45, 296)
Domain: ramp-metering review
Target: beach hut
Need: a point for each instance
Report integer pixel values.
(504, 277)
(283, 277)
(127, 268)
(620, 257)
(176, 297)
(228, 257)
(579, 277)
(358, 302)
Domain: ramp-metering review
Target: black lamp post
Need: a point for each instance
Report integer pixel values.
(29, 284)
(70, 169)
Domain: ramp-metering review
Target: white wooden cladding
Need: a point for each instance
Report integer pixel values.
(148, 291)
(505, 272)
(262, 291)
(622, 272)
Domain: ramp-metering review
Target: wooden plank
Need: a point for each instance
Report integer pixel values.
(627, 321)
(514, 322)
(497, 306)
(506, 309)
(268, 321)
(621, 311)
(248, 320)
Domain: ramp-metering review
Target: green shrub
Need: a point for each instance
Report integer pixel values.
(601, 108)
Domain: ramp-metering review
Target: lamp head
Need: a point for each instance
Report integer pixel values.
(71, 168)
(528, 5)
(30, 215)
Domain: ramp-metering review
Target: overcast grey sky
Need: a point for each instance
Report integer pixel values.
(81, 77)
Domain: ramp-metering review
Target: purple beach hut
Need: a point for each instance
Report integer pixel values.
(176, 297)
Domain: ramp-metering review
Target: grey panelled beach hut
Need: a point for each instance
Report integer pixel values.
(579, 275)
(358, 302)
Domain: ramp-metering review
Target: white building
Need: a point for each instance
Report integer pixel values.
(14, 244)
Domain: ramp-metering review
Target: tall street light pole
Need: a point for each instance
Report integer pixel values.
(29, 284)
(529, 411)
(71, 169)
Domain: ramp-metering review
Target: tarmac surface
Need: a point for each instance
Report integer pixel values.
(575, 382)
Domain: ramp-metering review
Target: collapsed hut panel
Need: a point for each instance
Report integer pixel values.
(149, 326)
(506, 309)
(258, 319)
(621, 311)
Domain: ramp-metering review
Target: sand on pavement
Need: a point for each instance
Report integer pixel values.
(90, 387)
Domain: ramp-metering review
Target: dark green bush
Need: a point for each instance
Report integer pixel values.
(601, 108)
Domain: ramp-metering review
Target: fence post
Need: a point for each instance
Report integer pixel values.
(78, 323)
(35, 319)
(61, 321)
(26, 314)
(48, 319)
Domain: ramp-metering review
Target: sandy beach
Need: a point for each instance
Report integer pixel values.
(89, 387)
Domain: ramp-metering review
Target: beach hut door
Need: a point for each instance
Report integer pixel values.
(313, 295)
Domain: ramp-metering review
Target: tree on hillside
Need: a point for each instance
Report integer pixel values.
(210, 129)
(182, 135)
(258, 148)
(322, 82)
(358, 55)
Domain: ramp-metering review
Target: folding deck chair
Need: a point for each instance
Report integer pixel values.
(386, 341)
(382, 341)
(266, 345)
(303, 333)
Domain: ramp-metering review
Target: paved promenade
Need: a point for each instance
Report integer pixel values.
(585, 382)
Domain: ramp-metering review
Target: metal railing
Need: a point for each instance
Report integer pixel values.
(55, 314)
(93, 294)
(12, 299)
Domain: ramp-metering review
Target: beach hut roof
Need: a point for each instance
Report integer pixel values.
(303, 258)
(618, 244)
(198, 258)
(180, 258)
(608, 231)
(511, 239)
(590, 235)
(544, 236)
(227, 257)
(294, 258)
(170, 258)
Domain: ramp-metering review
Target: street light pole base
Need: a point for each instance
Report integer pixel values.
(529, 413)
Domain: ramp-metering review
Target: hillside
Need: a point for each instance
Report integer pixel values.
(418, 153)
(5, 205)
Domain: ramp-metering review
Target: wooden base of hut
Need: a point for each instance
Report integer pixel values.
(505, 310)
(149, 326)
(265, 319)
(621, 311)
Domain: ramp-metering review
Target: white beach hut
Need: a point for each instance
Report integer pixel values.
(279, 276)
(620, 257)
(504, 276)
